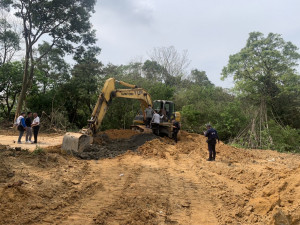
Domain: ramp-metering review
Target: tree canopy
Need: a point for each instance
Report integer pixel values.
(65, 22)
(265, 75)
(263, 67)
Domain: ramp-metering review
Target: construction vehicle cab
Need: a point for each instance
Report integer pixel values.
(161, 107)
(166, 108)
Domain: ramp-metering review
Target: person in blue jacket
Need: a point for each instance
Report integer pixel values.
(212, 137)
(21, 126)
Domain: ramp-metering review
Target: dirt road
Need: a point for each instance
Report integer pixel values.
(43, 141)
(157, 183)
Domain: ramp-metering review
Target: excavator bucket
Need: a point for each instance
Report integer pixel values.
(76, 142)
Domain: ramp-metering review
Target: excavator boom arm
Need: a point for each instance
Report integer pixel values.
(108, 93)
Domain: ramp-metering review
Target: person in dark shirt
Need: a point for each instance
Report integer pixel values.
(149, 114)
(212, 137)
(176, 128)
(29, 129)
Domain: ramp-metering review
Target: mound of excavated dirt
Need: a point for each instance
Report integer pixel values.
(114, 134)
(156, 183)
(104, 147)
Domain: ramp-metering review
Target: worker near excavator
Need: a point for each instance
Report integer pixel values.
(163, 112)
(155, 122)
(149, 114)
(176, 128)
(212, 137)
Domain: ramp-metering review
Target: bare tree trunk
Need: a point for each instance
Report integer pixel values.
(22, 95)
(27, 77)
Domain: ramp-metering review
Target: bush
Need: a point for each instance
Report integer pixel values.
(38, 151)
(285, 139)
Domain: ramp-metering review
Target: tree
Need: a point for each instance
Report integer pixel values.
(262, 70)
(65, 22)
(10, 85)
(263, 66)
(154, 71)
(85, 74)
(52, 70)
(81, 92)
(200, 77)
(9, 41)
(169, 58)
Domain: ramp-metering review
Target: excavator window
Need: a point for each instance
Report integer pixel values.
(165, 107)
(169, 106)
(157, 105)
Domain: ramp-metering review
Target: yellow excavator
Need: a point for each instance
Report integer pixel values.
(79, 141)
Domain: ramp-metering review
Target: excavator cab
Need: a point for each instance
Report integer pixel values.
(166, 108)
(163, 107)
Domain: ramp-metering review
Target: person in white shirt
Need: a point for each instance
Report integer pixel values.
(155, 122)
(35, 126)
(21, 126)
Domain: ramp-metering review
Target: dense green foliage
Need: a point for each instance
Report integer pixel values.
(65, 24)
(10, 86)
(265, 77)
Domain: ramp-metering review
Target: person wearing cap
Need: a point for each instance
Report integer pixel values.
(21, 126)
(149, 114)
(212, 137)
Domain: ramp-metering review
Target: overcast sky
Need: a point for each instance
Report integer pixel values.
(210, 30)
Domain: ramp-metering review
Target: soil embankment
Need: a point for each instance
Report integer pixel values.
(156, 182)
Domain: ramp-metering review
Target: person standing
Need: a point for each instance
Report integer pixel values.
(176, 128)
(149, 113)
(35, 126)
(155, 122)
(28, 129)
(212, 137)
(21, 126)
(163, 112)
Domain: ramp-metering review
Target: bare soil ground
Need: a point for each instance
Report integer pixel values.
(156, 183)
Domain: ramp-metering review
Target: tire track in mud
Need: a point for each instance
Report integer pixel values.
(221, 200)
(192, 201)
(77, 189)
(104, 198)
(155, 193)
(140, 200)
(104, 189)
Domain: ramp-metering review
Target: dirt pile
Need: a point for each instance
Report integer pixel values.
(105, 147)
(114, 134)
(153, 148)
(156, 183)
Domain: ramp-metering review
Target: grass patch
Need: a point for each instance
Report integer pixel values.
(39, 151)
